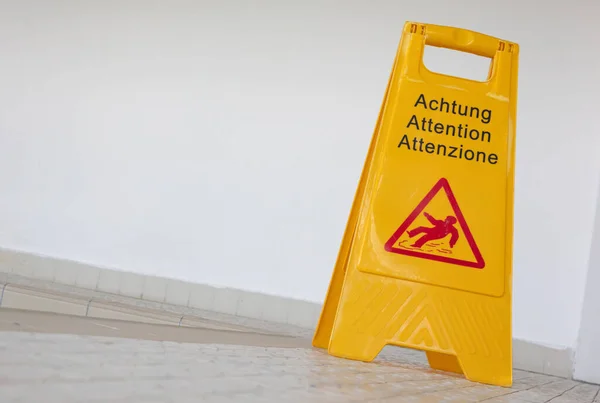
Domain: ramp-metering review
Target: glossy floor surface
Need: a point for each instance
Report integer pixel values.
(63, 359)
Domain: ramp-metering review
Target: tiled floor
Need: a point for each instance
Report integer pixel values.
(45, 357)
(36, 367)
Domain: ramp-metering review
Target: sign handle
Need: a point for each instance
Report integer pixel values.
(502, 53)
(461, 40)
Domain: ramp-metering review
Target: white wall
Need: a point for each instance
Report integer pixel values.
(588, 344)
(221, 141)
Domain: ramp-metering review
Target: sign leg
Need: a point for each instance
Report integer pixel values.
(325, 326)
(444, 362)
(496, 371)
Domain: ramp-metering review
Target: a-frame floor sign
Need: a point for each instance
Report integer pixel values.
(426, 257)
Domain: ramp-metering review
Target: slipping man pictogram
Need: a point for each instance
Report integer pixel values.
(440, 230)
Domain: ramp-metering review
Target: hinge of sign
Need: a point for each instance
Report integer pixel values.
(417, 28)
(505, 47)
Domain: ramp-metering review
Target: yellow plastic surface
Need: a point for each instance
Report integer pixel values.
(426, 258)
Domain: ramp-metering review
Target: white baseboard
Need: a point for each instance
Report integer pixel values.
(163, 290)
(542, 359)
(527, 356)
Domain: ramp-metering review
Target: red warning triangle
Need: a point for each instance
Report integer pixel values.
(438, 238)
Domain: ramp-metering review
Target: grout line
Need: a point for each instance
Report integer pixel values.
(517, 391)
(87, 308)
(565, 391)
(2, 293)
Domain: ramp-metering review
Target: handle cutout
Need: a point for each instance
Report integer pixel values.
(457, 63)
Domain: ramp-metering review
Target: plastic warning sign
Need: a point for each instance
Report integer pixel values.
(426, 258)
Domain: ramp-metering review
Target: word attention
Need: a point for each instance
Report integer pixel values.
(462, 131)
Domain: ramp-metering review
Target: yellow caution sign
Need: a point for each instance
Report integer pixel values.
(426, 258)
